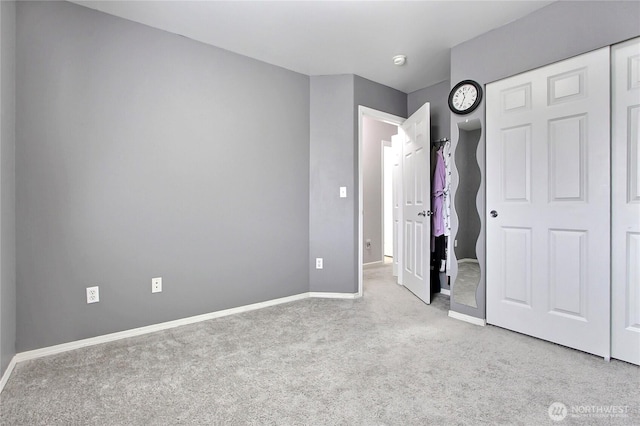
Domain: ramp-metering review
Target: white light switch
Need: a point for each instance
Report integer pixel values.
(343, 192)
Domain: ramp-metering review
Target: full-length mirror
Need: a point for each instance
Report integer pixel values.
(464, 243)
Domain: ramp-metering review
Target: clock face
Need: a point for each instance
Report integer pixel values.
(465, 97)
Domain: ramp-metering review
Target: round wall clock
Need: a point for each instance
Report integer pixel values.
(465, 97)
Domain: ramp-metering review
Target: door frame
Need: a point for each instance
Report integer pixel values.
(386, 118)
(383, 194)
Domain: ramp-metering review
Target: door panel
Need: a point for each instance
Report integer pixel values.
(517, 261)
(567, 159)
(548, 183)
(516, 156)
(408, 247)
(416, 203)
(567, 273)
(632, 285)
(625, 238)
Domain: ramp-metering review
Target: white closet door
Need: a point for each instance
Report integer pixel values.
(625, 237)
(548, 184)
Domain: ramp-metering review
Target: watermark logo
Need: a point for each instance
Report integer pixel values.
(558, 411)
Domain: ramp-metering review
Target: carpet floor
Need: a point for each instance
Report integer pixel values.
(384, 359)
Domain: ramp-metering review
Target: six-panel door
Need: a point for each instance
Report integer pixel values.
(548, 199)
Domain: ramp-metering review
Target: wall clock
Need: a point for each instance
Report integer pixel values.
(465, 97)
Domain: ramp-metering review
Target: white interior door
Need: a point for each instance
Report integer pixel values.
(416, 202)
(396, 147)
(625, 197)
(548, 182)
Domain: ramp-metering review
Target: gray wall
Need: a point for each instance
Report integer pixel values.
(140, 154)
(333, 223)
(438, 98)
(553, 33)
(373, 135)
(7, 185)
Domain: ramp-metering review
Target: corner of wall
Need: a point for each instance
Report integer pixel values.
(7, 185)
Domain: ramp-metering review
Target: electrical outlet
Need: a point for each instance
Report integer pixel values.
(156, 285)
(318, 263)
(93, 294)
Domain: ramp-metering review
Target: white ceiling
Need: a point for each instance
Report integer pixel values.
(332, 37)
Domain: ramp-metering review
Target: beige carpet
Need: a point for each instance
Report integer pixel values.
(386, 359)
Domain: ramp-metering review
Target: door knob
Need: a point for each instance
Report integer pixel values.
(422, 213)
(493, 213)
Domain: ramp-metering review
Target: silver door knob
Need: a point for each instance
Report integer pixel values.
(493, 213)
(422, 213)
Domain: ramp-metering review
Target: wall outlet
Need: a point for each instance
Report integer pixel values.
(156, 285)
(319, 263)
(93, 294)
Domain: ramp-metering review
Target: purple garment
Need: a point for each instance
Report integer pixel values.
(437, 196)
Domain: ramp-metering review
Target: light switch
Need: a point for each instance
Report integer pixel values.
(343, 192)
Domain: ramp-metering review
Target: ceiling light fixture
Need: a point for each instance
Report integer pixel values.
(399, 60)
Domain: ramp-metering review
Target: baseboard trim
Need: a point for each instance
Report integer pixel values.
(106, 338)
(467, 318)
(468, 260)
(64, 347)
(7, 373)
(445, 291)
(323, 295)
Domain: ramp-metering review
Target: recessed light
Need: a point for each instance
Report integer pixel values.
(399, 60)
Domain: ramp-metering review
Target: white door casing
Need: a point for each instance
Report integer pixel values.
(625, 198)
(396, 147)
(548, 182)
(387, 199)
(416, 203)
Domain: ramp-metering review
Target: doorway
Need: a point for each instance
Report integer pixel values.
(385, 125)
(375, 133)
(412, 222)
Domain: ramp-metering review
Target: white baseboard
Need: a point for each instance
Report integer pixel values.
(468, 260)
(323, 295)
(65, 347)
(468, 318)
(7, 373)
(445, 291)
